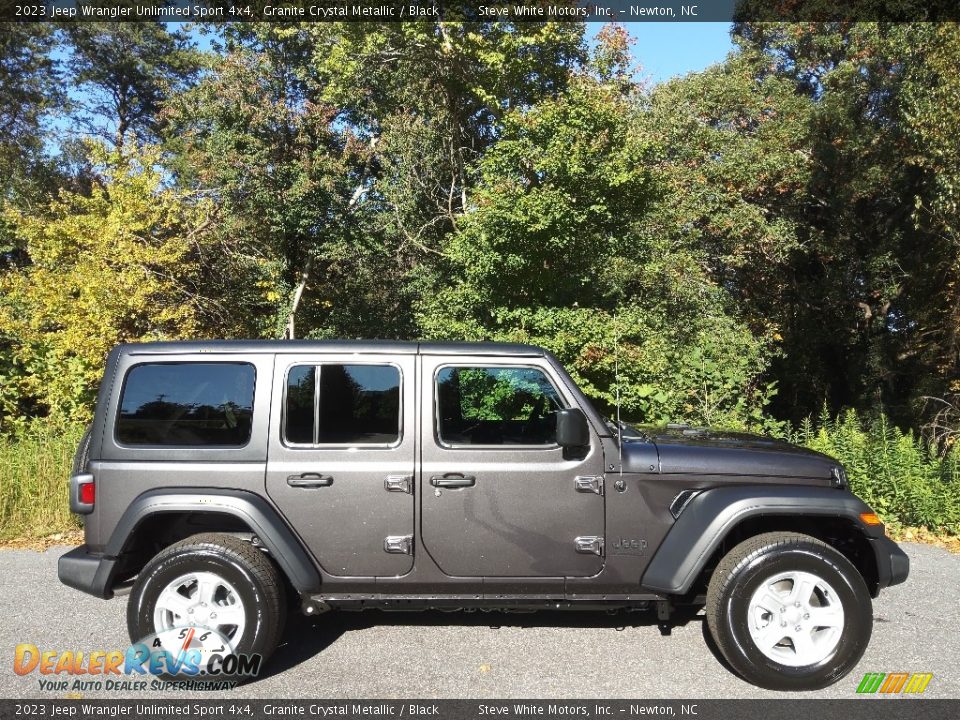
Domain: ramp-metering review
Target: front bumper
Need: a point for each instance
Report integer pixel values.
(87, 571)
(893, 564)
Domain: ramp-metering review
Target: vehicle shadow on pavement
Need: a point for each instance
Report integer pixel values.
(305, 637)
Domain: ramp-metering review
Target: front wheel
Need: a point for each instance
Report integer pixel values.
(789, 612)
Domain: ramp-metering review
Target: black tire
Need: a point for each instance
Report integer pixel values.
(745, 568)
(248, 570)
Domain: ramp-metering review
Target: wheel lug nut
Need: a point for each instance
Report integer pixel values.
(212, 615)
(798, 604)
(806, 616)
(190, 611)
(798, 628)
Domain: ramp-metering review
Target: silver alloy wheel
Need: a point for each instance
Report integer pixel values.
(796, 618)
(202, 599)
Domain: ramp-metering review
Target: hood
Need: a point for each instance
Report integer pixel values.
(699, 451)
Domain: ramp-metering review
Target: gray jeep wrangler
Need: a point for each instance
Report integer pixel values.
(223, 482)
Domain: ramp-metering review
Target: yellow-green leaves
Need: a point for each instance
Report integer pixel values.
(114, 266)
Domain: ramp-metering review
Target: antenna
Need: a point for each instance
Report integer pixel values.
(616, 379)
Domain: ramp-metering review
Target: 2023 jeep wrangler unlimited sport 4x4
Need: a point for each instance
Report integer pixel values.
(228, 480)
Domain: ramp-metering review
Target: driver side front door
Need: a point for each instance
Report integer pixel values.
(500, 497)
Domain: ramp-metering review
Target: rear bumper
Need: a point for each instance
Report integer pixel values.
(893, 564)
(87, 571)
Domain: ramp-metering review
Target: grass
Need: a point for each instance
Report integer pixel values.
(34, 470)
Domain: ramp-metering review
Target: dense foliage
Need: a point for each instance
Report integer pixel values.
(896, 473)
(738, 246)
(116, 265)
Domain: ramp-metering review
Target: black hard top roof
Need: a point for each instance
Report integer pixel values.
(396, 347)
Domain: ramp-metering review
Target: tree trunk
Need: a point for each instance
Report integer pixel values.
(290, 332)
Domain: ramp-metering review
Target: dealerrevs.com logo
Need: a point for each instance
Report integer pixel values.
(186, 658)
(898, 683)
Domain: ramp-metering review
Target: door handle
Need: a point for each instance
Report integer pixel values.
(453, 480)
(309, 480)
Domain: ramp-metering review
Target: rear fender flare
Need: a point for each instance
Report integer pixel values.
(264, 521)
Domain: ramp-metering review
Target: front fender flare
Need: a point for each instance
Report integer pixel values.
(709, 516)
(264, 521)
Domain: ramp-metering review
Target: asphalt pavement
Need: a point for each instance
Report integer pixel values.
(487, 655)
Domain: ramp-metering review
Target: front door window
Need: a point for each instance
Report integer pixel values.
(496, 406)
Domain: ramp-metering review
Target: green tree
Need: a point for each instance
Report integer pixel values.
(118, 266)
(554, 250)
(425, 101)
(257, 140)
(930, 108)
(812, 169)
(29, 91)
(127, 72)
(339, 153)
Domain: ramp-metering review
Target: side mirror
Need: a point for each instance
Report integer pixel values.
(572, 428)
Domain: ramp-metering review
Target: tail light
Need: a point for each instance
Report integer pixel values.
(83, 493)
(88, 493)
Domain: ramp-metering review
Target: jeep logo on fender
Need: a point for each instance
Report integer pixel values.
(629, 546)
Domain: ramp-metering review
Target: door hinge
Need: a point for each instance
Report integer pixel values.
(398, 544)
(589, 545)
(398, 483)
(589, 483)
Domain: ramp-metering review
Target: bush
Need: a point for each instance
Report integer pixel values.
(34, 470)
(898, 474)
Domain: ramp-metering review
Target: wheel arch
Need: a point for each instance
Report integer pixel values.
(159, 517)
(716, 519)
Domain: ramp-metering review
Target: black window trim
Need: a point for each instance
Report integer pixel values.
(317, 364)
(123, 388)
(482, 366)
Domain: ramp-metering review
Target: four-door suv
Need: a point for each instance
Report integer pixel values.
(224, 481)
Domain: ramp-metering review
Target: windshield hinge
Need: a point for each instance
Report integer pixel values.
(589, 545)
(398, 483)
(398, 544)
(589, 483)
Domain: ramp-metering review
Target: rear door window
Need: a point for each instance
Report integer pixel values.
(335, 404)
(187, 405)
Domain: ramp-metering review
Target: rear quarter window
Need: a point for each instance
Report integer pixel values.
(187, 405)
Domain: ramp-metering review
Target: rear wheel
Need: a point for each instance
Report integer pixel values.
(789, 612)
(209, 582)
